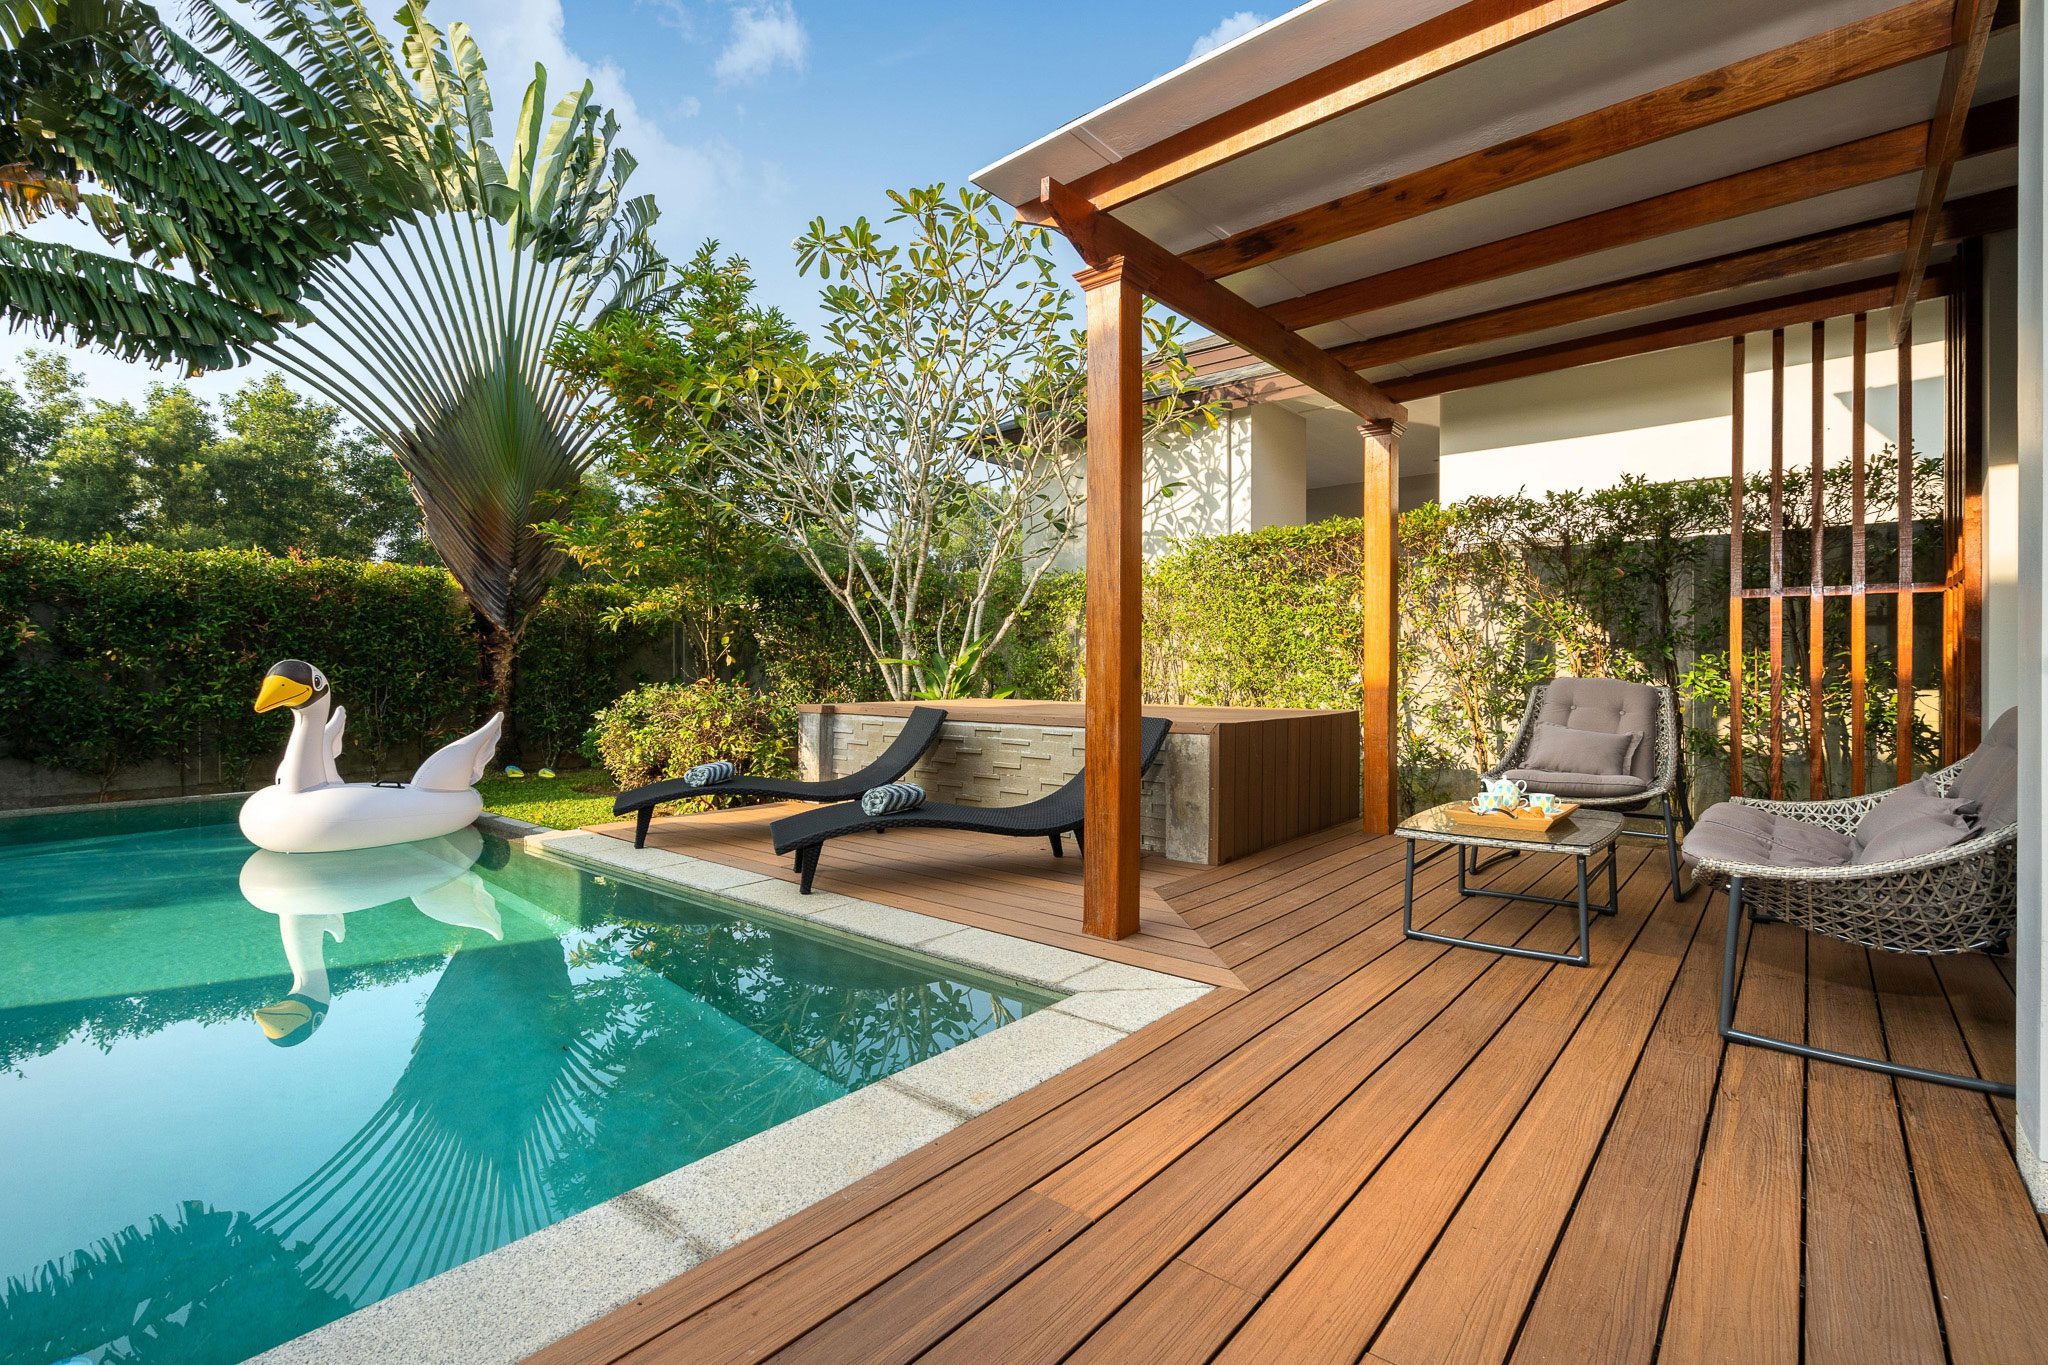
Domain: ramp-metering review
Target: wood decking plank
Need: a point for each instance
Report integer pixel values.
(1983, 1241)
(1869, 1296)
(1468, 1300)
(1332, 1301)
(1602, 1296)
(1736, 1294)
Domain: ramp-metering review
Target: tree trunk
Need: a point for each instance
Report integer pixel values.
(499, 651)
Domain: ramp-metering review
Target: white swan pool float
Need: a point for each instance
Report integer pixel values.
(309, 809)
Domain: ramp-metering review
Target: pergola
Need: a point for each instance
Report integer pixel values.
(1390, 199)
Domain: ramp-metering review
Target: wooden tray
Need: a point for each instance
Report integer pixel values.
(1527, 819)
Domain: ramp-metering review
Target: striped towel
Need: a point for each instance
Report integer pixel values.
(892, 797)
(705, 774)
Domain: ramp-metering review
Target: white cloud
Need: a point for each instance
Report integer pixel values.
(764, 36)
(1233, 27)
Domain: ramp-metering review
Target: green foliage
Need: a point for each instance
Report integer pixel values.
(662, 730)
(575, 658)
(269, 470)
(115, 656)
(1042, 657)
(223, 175)
(801, 643)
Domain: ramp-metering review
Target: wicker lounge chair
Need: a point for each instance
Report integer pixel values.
(1959, 899)
(1049, 817)
(1646, 786)
(920, 731)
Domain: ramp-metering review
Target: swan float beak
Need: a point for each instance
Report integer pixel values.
(290, 682)
(281, 691)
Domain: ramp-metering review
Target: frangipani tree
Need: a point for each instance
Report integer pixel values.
(435, 336)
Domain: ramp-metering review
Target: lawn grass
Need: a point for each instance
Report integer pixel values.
(565, 802)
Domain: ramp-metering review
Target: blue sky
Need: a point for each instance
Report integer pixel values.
(750, 117)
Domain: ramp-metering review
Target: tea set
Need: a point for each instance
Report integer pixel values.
(1502, 796)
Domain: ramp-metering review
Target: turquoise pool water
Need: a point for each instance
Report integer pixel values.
(242, 1094)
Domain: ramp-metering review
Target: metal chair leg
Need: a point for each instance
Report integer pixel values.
(1679, 890)
(1819, 1054)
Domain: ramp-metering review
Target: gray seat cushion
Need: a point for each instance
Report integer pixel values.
(1729, 833)
(1991, 774)
(1582, 786)
(1609, 706)
(1924, 832)
(1562, 750)
(1914, 803)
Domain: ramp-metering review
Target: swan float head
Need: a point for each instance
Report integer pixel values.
(291, 682)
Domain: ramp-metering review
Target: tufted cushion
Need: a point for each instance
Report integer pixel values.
(1576, 786)
(1729, 833)
(1580, 751)
(1991, 774)
(1610, 706)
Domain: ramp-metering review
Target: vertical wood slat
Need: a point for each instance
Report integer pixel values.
(1859, 642)
(1962, 683)
(1109, 905)
(1777, 565)
(1816, 654)
(1736, 654)
(1379, 684)
(1902, 618)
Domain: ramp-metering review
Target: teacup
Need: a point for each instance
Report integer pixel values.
(1543, 803)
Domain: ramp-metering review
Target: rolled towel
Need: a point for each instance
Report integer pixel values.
(707, 774)
(891, 797)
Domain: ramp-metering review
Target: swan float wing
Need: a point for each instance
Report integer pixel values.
(458, 766)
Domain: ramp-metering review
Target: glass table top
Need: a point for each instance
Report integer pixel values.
(1583, 831)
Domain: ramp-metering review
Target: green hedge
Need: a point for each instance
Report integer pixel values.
(115, 656)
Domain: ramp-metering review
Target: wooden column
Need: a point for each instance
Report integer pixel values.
(1379, 670)
(1737, 655)
(1109, 886)
(1962, 670)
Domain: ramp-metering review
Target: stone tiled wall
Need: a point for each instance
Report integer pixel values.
(1007, 765)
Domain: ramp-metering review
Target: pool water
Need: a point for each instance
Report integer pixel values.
(242, 1094)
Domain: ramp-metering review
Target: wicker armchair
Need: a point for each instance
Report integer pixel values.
(1964, 898)
(1654, 795)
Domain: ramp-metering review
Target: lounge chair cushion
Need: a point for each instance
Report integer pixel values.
(706, 774)
(1927, 832)
(1559, 749)
(1578, 786)
(1731, 833)
(1609, 706)
(1991, 774)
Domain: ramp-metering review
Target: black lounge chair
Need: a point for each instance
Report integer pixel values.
(1048, 817)
(918, 734)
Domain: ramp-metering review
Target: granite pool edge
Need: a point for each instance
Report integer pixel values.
(513, 1301)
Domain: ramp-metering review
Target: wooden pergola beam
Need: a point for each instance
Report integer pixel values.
(1407, 59)
(1101, 239)
(1865, 161)
(1969, 36)
(1779, 261)
(1859, 296)
(1878, 43)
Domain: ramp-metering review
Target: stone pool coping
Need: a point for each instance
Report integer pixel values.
(508, 1303)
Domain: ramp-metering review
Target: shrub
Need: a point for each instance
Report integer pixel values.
(576, 656)
(661, 730)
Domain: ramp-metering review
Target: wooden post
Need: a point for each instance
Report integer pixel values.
(1902, 615)
(1962, 671)
(1379, 669)
(1109, 882)
(1859, 603)
(1736, 654)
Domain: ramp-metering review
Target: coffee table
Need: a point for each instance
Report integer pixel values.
(1581, 836)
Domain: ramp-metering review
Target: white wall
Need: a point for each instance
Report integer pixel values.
(2030, 952)
(1666, 415)
(2001, 475)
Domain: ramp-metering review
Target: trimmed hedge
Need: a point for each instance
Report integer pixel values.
(117, 656)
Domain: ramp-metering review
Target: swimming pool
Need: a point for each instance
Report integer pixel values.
(243, 1094)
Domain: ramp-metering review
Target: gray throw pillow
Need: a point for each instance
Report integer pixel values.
(1559, 749)
(1991, 774)
(1913, 837)
(1914, 802)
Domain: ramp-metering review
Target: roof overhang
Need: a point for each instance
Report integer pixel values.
(1423, 192)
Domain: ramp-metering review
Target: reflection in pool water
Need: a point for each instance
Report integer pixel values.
(477, 1042)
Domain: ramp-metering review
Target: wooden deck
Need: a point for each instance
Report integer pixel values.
(1384, 1150)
